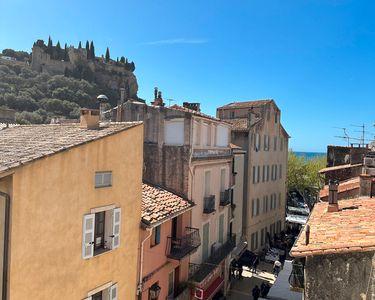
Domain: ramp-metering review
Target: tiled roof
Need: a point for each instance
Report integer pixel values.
(351, 229)
(194, 112)
(245, 104)
(24, 143)
(159, 204)
(343, 187)
(340, 167)
(241, 124)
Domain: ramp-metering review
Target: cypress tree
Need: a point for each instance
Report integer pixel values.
(66, 57)
(49, 45)
(107, 57)
(87, 49)
(58, 50)
(92, 50)
(122, 59)
(80, 45)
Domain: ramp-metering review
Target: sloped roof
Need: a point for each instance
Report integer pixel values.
(241, 124)
(350, 229)
(21, 144)
(197, 113)
(247, 104)
(159, 205)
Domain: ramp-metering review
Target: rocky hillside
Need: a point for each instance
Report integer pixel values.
(55, 82)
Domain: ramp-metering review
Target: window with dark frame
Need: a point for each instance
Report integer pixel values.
(103, 179)
(155, 236)
(99, 232)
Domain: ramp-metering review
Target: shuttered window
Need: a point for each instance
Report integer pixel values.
(101, 232)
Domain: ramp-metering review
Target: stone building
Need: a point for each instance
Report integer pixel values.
(188, 152)
(70, 206)
(337, 250)
(257, 130)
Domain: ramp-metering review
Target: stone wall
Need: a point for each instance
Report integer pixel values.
(339, 155)
(343, 174)
(339, 276)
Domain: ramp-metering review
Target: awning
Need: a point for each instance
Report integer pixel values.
(296, 219)
(239, 250)
(208, 293)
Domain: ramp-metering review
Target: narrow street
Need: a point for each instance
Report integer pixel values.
(241, 289)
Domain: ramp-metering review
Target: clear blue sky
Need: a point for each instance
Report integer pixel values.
(316, 58)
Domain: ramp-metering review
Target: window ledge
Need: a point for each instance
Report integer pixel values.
(100, 252)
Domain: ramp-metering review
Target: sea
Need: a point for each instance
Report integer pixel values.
(310, 155)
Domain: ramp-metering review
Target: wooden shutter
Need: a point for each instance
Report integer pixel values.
(116, 223)
(88, 236)
(113, 291)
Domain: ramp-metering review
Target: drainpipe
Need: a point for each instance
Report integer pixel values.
(139, 289)
(6, 245)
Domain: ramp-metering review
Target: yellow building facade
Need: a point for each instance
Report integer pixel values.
(74, 216)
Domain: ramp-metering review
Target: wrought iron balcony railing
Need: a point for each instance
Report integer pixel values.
(225, 197)
(197, 272)
(297, 277)
(180, 247)
(209, 204)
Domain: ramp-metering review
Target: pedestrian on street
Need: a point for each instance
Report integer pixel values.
(256, 293)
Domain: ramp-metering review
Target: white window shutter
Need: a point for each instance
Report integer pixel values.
(116, 223)
(88, 236)
(113, 291)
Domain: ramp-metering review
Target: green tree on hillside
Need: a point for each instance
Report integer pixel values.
(92, 50)
(107, 57)
(88, 49)
(80, 45)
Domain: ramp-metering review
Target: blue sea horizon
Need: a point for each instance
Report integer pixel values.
(309, 155)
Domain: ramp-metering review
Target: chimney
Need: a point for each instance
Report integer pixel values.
(89, 118)
(158, 101)
(367, 178)
(103, 99)
(332, 196)
(193, 106)
(307, 234)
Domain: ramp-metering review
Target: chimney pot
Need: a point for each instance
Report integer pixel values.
(193, 106)
(89, 118)
(332, 196)
(307, 234)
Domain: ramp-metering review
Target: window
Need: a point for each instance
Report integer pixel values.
(276, 116)
(262, 237)
(222, 136)
(222, 180)
(281, 143)
(197, 133)
(258, 174)
(266, 142)
(206, 135)
(280, 171)
(279, 200)
(266, 203)
(254, 174)
(258, 206)
(254, 241)
(232, 114)
(155, 236)
(207, 183)
(275, 175)
(103, 179)
(101, 232)
(254, 208)
(107, 291)
(171, 284)
(264, 173)
(257, 142)
(174, 132)
(275, 143)
(268, 173)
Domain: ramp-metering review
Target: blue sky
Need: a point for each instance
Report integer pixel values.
(315, 58)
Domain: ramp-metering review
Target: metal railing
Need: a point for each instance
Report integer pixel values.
(179, 247)
(209, 204)
(197, 272)
(225, 197)
(297, 277)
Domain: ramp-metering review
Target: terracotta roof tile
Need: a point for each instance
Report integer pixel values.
(24, 143)
(245, 104)
(340, 167)
(159, 204)
(351, 229)
(344, 186)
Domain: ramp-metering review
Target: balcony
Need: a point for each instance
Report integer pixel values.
(211, 153)
(178, 248)
(209, 204)
(297, 277)
(198, 272)
(225, 197)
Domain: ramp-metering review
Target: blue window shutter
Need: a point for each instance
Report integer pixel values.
(157, 235)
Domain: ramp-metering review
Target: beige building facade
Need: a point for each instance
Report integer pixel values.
(71, 227)
(257, 130)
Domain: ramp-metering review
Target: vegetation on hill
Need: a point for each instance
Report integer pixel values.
(39, 97)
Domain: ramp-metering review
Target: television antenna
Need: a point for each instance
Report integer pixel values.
(345, 136)
(169, 102)
(362, 139)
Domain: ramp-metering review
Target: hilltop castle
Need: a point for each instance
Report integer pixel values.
(83, 64)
